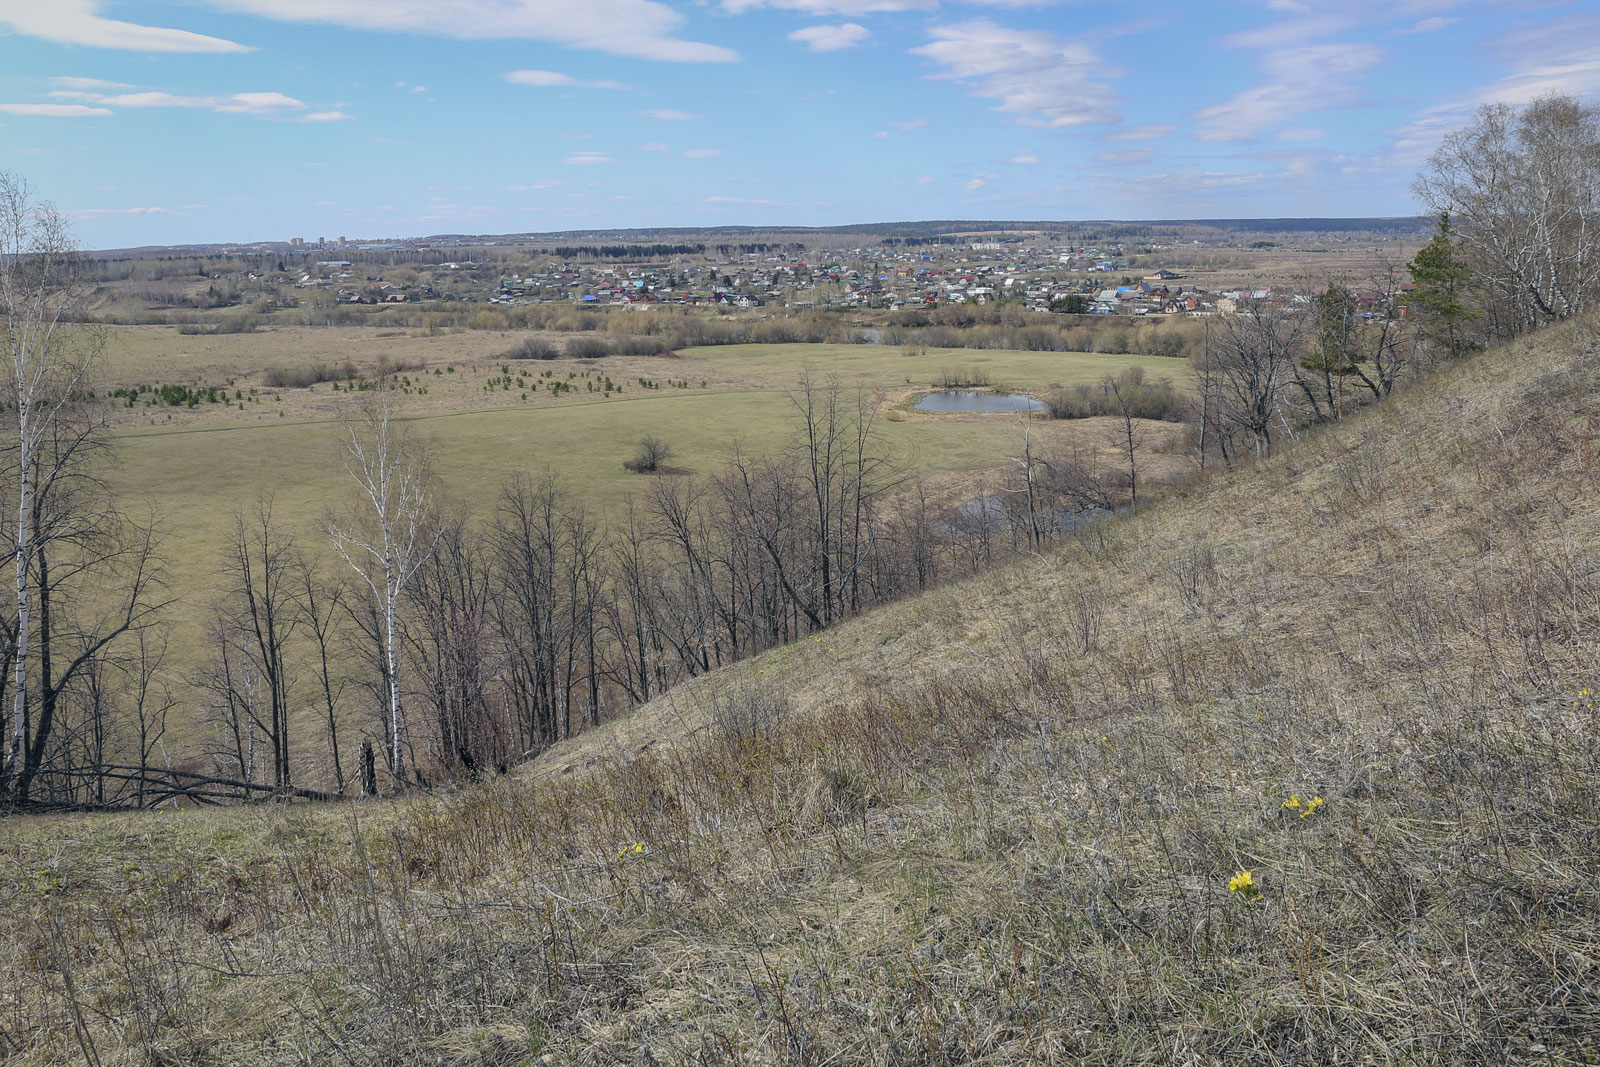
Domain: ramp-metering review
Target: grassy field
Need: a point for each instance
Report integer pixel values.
(194, 468)
(1003, 823)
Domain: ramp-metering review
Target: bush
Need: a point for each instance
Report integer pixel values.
(305, 377)
(532, 348)
(588, 347)
(652, 456)
(1129, 393)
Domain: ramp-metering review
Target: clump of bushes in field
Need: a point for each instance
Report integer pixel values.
(532, 348)
(1130, 394)
(588, 347)
(303, 377)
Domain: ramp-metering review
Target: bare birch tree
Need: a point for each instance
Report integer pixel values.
(1522, 187)
(387, 535)
(41, 286)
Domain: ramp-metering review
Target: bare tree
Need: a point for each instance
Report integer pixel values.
(41, 288)
(1522, 187)
(387, 535)
(1255, 359)
(320, 605)
(257, 616)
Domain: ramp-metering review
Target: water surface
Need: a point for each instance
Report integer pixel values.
(972, 401)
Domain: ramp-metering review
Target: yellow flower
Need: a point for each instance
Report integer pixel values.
(1292, 802)
(1311, 805)
(1244, 884)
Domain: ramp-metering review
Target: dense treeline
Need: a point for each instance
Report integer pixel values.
(631, 252)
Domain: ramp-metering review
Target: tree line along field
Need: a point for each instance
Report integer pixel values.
(194, 468)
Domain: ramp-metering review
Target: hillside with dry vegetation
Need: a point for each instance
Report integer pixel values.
(998, 823)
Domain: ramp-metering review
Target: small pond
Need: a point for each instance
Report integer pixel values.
(970, 400)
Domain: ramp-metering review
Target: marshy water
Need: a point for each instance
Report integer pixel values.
(970, 401)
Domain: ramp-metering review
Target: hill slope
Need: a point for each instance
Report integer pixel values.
(994, 824)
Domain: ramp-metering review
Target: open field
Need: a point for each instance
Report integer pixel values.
(995, 824)
(193, 469)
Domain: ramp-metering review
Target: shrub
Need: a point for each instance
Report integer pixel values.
(588, 347)
(532, 348)
(652, 455)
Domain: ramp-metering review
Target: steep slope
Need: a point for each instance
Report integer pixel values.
(998, 823)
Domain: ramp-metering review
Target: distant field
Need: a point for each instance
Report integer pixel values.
(194, 468)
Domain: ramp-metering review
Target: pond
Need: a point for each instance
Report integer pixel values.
(970, 400)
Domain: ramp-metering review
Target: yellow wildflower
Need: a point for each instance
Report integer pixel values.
(1292, 802)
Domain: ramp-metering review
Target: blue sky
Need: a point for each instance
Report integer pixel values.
(235, 120)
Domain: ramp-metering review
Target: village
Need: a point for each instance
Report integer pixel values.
(1044, 277)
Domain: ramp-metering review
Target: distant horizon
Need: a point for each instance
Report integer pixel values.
(168, 122)
(865, 228)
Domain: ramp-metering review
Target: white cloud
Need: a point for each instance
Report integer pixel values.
(1560, 56)
(1033, 73)
(1146, 132)
(54, 111)
(587, 159)
(881, 135)
(75, 22)
(640, 28)
(1025, 159)
(831, 7)
(1426, 26)
(419, 88)
(925, 179)
(1128, 158)
(257, 104)
(975, 184)
(909, 124)
(89, 83)
(667, 114)
(553, 79)
(653, 146)
(90, 212)
(831, 38)
(702, 153)
(1299, 79)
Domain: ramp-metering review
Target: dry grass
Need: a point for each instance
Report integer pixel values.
(993, 825)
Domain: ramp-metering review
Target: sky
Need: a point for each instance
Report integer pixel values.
(245, 120)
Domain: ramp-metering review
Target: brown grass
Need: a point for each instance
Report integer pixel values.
(992, 825)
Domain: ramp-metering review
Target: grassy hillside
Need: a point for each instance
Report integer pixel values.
(994, 825)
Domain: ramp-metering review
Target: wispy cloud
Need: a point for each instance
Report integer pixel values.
(644, 29)
(552, 80)
(587, 159)
(95, 84)
(1127, 158)
(1425, 26)
(667, 114)
(831, 38)
(1146, 132)
(1045, 79)
(702, 153)
(55, 111)
(266, 105)
(823, 8)
(77, 22)
(91, 212)
(1298, 80)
